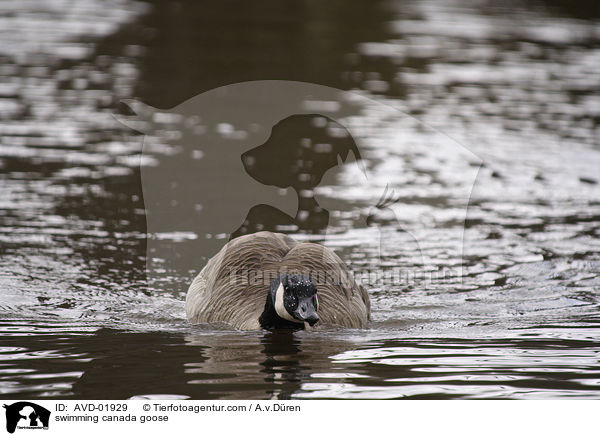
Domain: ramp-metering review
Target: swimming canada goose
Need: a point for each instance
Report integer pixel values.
(269, 280)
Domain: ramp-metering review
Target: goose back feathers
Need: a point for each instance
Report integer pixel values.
(234, 284)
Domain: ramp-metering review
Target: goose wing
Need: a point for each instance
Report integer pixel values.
(233, 285)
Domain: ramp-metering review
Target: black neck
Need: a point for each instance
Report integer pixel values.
(269, 319)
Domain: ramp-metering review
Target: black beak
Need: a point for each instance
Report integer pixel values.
(313, 319)
(307, 312)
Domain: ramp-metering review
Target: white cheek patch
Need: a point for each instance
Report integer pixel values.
(280, 308)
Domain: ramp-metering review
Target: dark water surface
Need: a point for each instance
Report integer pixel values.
(516, 315)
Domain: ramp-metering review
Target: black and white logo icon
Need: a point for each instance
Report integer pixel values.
(26, 415)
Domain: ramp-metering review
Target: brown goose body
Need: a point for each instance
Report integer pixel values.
(233, 286)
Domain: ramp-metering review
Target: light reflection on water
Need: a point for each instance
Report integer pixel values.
(62, 362)
(521, 320)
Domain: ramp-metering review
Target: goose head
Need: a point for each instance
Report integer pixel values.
(291, 302)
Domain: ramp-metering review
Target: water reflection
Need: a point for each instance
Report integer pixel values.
(63, 362)
(198, 46)
(516, 368)
(115, 364)
(283, 365)
(517, 84)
